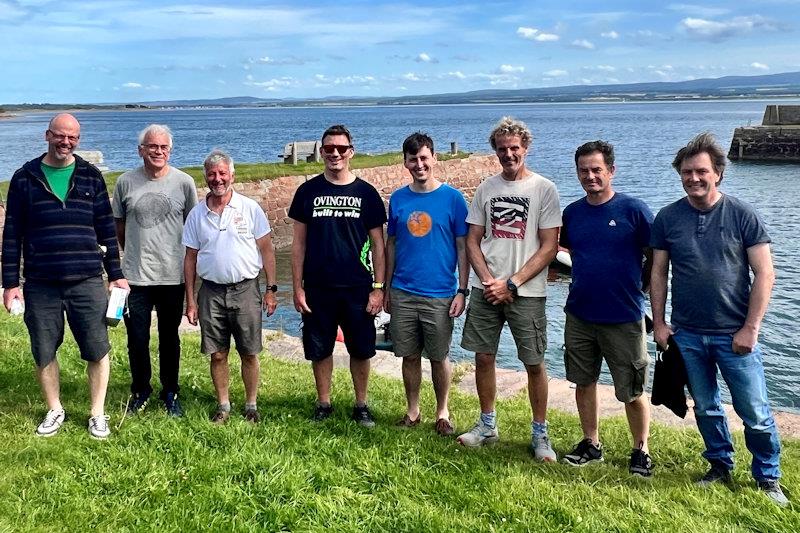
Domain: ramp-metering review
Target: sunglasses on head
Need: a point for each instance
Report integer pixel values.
(341, 148)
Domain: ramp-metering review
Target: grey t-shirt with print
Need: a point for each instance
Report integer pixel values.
(154, 211)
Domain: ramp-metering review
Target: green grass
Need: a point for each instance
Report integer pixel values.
(287, 473)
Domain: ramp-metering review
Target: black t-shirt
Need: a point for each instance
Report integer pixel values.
(338, 219)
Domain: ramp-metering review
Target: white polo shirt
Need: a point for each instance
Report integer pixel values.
(226, 244)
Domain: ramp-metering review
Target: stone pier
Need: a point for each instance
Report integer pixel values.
(776, 139)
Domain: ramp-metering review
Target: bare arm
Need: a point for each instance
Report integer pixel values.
(387, 300)
(267, 252)
(475, 254)
(298, 259)
(744, 340)
(375, 303)
(460, 301)
(189, 273)
(119, 226)
(658, 296)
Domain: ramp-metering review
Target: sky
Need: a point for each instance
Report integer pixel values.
(98, 51)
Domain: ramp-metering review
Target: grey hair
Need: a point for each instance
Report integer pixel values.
(155, 129)
(510, 126)
(215, 157)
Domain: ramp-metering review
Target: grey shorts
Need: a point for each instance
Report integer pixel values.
(226, 310)
(526, 320)
(84, 303)
(420, 325)
(623, 346)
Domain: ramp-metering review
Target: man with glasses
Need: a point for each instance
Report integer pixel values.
(513, 237)
(150, 205)
(59, 221)
(338, 269)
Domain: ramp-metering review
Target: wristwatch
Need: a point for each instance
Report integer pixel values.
(512, 287)
(272, 288)
(465, 292)
(378, 285)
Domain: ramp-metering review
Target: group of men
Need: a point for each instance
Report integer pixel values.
(60, 219)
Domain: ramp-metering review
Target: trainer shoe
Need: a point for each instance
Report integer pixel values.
(584, 453)
(172, 405)
(220, 417)
(641, 463)
(772, 488)
(541, 448)
(718, 473)
(98, 426)
(322, 412)
(252, 416)
(137, 403)
(479, 435)
(51, 423)
(363, 416)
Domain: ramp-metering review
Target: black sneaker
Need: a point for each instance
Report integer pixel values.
(584, 453)
(363, 416)
(322, 412)
(172, 405)
(137, 403)
(718, 473)
(641, 464)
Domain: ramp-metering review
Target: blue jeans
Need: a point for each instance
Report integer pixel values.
(744, 375)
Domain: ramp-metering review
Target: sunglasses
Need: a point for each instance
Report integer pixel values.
(341, 148)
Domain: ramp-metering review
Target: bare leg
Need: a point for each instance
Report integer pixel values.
(323, 374)
(220, 376)
(98, 372)
(412, 379)
(49, 382)
(359, 370)
(250, 371)
(586, 400)
(638, 413)
(485, 381)
(440, 374)
(537, 391)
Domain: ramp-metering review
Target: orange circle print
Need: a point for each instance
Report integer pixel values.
(419, 223)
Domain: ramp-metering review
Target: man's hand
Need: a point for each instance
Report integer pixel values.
(122, 283)
(496, 292)
(300, 304)
(661, 333)
(375, 303)
(191, 313)
(458, 305)
(269, 302)
(744, 340)
(387, 302)
(9, 295)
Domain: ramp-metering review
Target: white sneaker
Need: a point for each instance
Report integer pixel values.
(51, 423)
(98, 426)
(541, 448)
(479, 435)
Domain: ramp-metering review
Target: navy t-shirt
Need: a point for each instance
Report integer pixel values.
(338, 219)
(606, 243)
(710, 269)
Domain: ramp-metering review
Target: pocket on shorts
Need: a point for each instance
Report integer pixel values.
(639, 376)
(540, 325)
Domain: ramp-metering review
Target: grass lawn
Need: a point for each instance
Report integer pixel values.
(288, 473)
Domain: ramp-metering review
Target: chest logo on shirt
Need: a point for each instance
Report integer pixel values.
(337, 206)
(419, 223)
(151, 209)
(240, 224)
(612, 223)
(509, 216)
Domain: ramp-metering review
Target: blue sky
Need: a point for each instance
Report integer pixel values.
(124, 51)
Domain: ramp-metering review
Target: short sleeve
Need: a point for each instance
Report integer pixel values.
(644, 224)
(190, 192)
(297, 211)
(117, 207)
(550, 213)
(391, 226)
(658, 237)
(191, 236)
(754, 230)
(375, 214)
(460, 211)
(476, 214)
(563, 235)
(260, 223)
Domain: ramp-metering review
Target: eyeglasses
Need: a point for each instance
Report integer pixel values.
(341, 148)
(153, 148)
(60, 137)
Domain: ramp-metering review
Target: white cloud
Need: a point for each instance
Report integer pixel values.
(583, 43)
(457, 74)
(410, 76)
(425, 58)
(700, 11)
(610, 34)
(601, 68)
(759, 66)
(556, 73)
(711, 30)
(511, 69)
(532, 34)
(273, 84)
(132, 85)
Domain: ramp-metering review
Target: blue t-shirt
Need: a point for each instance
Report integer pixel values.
(710, 269)
(606, 243)
(425, 227)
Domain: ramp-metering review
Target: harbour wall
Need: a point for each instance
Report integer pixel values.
(776, 139)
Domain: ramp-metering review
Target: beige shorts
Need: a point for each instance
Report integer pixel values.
(526, 320)
(230, 310)
(623, 346)
(420, 325)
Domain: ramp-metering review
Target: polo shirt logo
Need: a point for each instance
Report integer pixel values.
(612, 223)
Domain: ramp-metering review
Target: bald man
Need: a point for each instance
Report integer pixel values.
(59, 220)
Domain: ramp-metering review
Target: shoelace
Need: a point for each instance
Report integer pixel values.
(51, 417)
(100, 422)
